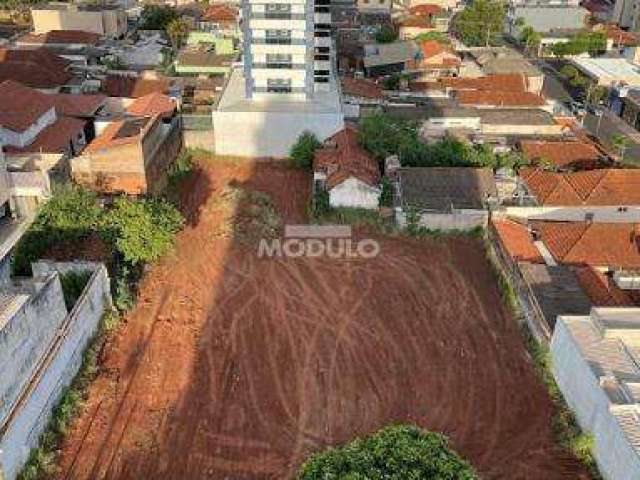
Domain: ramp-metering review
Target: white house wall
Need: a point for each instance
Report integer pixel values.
(26, 137)
(582, 392)
(354, 193)
(600, 214)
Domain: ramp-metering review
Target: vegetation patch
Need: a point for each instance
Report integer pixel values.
(303, 150)
(73, 284)
(395, 452)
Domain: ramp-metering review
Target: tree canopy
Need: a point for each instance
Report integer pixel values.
(399, 452)
(303, 150)
(480, 23)
(386, 34)
(591, 42)
(157, 17)
(382, 136)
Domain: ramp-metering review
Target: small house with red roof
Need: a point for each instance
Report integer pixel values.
(344, 170)
(434, 60)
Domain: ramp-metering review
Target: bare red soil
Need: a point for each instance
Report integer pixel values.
(235, 367)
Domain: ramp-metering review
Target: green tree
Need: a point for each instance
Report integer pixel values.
(395, 452)
(386, 34)
(437, 36)
(304, 149)
(530, 39)
(143, 230)
(480, 23)
(157, 17)
(177, 29)
(620, 142)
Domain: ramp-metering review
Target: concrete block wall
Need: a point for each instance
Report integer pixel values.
(62, 360)
(25, 338)
(459, 220)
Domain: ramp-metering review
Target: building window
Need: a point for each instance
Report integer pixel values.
(279, 60)
(278, 36)
(278, 85)
(278, 10)
(321, 57)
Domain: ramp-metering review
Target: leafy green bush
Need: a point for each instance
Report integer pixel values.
(397, 452)
(143, 230)
(303, 150)
(320, 204)
(70, 215)
(386, 196)
(73, 284)
(157, 17)
(386, 34)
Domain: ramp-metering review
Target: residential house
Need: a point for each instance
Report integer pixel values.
(151, 105)
(507, 61)
(221, 19)
(78, 47)
(595, 364)
(358, 92)
(447, 198)
(102, 19)
(422, 19)
(123, 90)
(434, 60)
(604, 195)
(349, 175)
(498, 99)
(510, 82)
(562, 155)
(388, 58)
(192, 61)
(131, 155)
(608, 71)
(31, 128)
(40, 69)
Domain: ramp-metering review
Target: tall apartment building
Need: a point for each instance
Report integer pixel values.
(287, 82)
(287, 47)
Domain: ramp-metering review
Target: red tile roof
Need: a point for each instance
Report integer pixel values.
(221, 13)
(594, 187)
(598, 244)
(346, 158)
(21, 106)
(121, 132)
(128, 87)
(37, 68)
(499, 99)
(517, 241)
(60, 37)
(503, 83)
(72, 105)
(152, 104)
(361, 87)
(621, 37)
(602, 290)
(426, 9)
(55, 138)
(431, 48)
(561, 154)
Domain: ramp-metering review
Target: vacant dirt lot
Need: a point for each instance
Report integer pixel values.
(235, 367)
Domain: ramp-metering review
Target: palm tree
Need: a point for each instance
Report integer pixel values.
(621, 143)
(177, 29)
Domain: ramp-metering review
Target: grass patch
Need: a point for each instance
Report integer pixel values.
(42, 462)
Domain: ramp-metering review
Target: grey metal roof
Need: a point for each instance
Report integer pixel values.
(556, 289)
(377, 54)
(444, 188)
(546, 18)
(515, 116)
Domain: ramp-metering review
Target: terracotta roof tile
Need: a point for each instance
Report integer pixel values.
(21, 106)
(55, 138)
(346, 158)
(499, 99)
(152, 104)
(37, 68)
(121, 132)
(431, 48)
(594, 187)
(221, 13)
(503, 83)
(416, 21)
(602, 290)
(561, 154)
(72, 105)
(517, 241)
(361, 87)
(597, 244)
(60, 37)
(426, 9)
(127, 87)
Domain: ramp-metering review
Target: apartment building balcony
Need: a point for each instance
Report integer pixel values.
(322, 17)
(277, 24)
(322, 41)
(278, 41)
(262, 48)
(278, 66)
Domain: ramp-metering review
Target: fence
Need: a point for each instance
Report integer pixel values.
(531, 310)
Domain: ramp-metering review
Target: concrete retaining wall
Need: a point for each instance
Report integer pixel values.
(199, 139)
(458, 220)
(61, 360)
